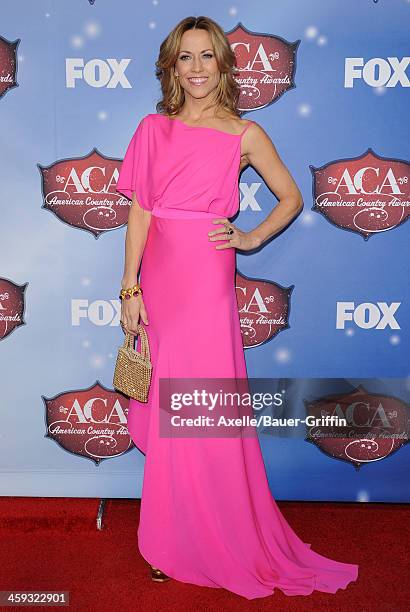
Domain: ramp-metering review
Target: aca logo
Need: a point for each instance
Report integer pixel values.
(367, 195)
(109, 73)
(377, 425)
(89, 422)
(266, 66)
(377, 72)
(98, 312)
(80, 191)
(263, 309)
(367, 315)
(12, 304)
(8, 65)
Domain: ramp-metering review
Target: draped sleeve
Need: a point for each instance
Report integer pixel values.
(134, 171)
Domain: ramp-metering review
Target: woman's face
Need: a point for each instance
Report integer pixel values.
(196, 64)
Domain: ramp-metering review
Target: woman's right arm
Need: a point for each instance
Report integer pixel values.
(139, 221)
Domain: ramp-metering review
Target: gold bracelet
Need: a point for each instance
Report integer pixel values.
(131, 291)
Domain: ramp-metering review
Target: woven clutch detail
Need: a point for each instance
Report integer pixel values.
(132, 374)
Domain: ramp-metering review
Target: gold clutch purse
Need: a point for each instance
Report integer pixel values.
(132, 374)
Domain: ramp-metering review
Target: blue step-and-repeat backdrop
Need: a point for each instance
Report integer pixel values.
(324, 306)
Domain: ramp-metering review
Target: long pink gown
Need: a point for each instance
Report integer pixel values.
(207, 514)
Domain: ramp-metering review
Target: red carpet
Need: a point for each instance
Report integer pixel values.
(53, 544)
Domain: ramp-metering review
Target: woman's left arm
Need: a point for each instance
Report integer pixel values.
(261, 154)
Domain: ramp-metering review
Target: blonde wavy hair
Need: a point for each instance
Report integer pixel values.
(173, 95)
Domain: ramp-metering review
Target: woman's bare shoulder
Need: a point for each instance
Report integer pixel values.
(253, 126)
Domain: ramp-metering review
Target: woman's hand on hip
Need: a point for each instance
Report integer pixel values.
(235, 237)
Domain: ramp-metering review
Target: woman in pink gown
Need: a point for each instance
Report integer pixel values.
(207, 514)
